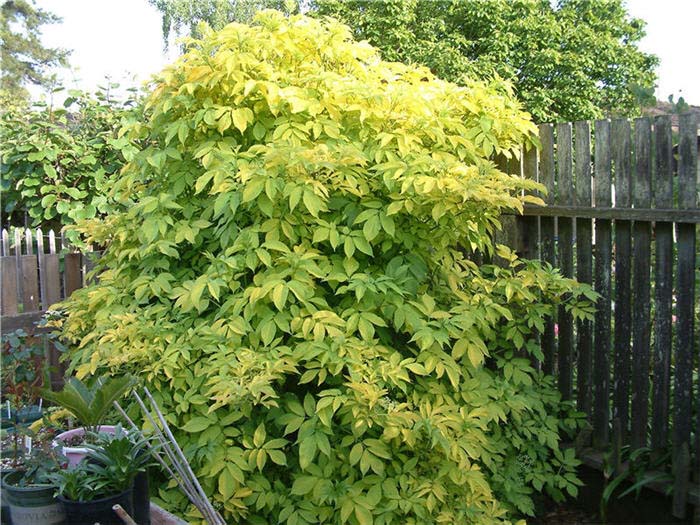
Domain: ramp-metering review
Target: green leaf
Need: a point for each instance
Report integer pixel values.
(197, 424)
(307, 451)
(355, 454)
(312, 202)
(227, 485)
(364, 516)
(303, 485)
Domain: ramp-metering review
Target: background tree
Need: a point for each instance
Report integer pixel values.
(24, 59)
(186, 15)
(577, 59)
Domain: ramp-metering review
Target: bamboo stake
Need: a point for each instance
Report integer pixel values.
(123, 515)
(166, 428)
(154, 452)
(191, 492)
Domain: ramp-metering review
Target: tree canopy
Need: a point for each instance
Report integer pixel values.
(293, 282)
(574, 60)
(24, 59)
(578, 59)
(186, 15)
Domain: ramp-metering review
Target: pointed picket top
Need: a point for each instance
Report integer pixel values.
(29, 249)
(52, 241)
(18, 242)
(39, 242)
(5, 242)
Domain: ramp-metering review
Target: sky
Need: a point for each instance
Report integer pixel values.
(122, 39)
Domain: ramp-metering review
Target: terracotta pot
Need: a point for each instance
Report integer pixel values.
(76, 454)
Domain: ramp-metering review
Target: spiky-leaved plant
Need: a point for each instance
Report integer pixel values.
(90, 404)
(294, 283)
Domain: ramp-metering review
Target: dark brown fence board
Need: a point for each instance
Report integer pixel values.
(584, 263)
(685, 300)
(565, 195)
(663, 277)
(531, 225)
(30, 283)
(641, 314)
(72, 273)
(622, 152)
(26, 321)
(603, 255)
(10, 293)
(546, 172)
(52, 280)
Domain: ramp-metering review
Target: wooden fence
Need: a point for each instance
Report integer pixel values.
(37, 270)
(621, 217)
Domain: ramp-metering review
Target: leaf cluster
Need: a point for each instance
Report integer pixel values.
(90, 404)
(58, 163)
(23, 367)
(295, 284)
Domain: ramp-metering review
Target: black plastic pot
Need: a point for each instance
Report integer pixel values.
(33, 505)
(142, 500)
(99, 510)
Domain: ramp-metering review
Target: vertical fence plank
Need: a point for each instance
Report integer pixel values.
(531, 223)
(18, 265)
(622, 152)
(547, 236)
(42, 268)
(10, 293)
(30, 276)
(584, 263)
(641, 315)
(601, 359)
(663, 278)
(684, 351)
(565, 196)
(72, 273)
(51, 278)
(530, 234)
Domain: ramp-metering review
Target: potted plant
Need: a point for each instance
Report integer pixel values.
(90, 405)
(89, 490)
(29, 493)
(22, 366)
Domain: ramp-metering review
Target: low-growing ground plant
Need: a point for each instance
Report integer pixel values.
(295, 285)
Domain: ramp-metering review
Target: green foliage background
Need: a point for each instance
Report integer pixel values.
(575, 60)
(58, 164)
(294, 283)
(568, 60)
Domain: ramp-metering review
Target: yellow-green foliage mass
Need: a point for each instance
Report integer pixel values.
(294, 284)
